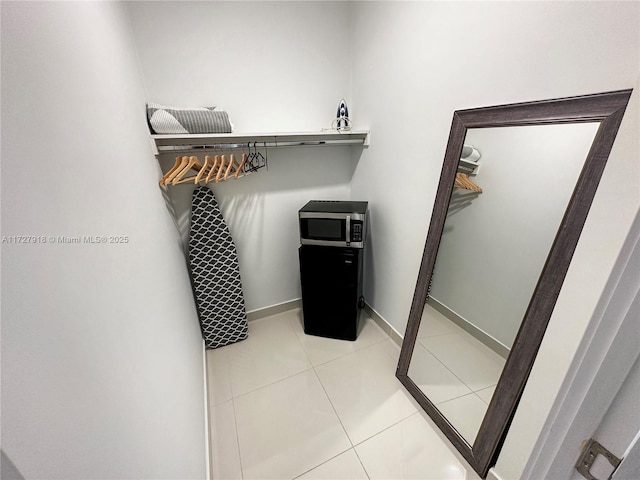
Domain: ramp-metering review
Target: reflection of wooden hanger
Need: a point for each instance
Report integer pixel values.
(462, 181)
(180, 177)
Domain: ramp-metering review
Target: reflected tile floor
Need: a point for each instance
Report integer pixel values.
(285, 405)
(455, 370)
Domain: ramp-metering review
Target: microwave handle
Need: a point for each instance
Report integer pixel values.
(348, 230)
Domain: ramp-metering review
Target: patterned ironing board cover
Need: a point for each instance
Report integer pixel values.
(215, 273)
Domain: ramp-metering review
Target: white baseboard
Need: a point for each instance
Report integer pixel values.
(207, 417)
(384, 325)
(492, 475)
(297, 303)
(274, 309)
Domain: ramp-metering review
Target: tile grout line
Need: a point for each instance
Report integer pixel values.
(235, 422)
(322, 463)
(343, 428)
(361, 464)
(333, 407)
(213, 437)
(342, 355)
(234, 397)
(459, 397)
(338, 416)
(452, 373)
(385, 429)
(313, 368)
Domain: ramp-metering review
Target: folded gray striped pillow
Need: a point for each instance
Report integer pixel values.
(165, 120)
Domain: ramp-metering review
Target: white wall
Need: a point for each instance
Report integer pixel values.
(414, 63)
(609, 348)
(274, 66)
(102, 369)
(495, 244)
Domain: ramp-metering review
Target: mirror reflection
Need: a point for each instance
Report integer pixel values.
(495, 242)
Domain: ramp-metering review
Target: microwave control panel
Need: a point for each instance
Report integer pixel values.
(356, 230)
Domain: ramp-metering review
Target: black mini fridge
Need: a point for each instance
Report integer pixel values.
(331, 279)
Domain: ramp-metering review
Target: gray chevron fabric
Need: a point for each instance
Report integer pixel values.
(215, 273)
(175, 120)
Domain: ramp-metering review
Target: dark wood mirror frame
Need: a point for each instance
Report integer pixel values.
(606, 108)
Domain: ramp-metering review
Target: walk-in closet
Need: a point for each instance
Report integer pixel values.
(319, 239)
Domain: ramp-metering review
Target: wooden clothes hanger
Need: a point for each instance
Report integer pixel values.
(240, 168)
(232, 163)
(208, 164)
(177, 167)
(222, 168)
(180, 177)
(214, 169)
(171, 170)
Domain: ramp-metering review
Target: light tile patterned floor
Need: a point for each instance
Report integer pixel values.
(286, 405)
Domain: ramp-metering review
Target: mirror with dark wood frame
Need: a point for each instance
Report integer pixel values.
(489, 280)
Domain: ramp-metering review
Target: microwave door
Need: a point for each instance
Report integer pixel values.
(323, 230)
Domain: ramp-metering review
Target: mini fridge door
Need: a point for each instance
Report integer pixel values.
(331, 279)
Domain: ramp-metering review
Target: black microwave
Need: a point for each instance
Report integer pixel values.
(333, 223)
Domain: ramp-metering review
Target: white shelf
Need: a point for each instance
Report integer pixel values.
(194, 142)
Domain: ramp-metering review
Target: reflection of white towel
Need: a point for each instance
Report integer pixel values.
(166, 120)
(470, 153)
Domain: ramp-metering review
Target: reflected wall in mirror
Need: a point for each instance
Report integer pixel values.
(493, 246)
(499, 244)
